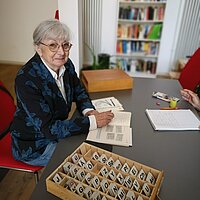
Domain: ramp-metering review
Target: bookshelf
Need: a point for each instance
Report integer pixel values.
(139, 30)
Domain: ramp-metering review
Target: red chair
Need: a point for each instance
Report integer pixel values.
(190, 75)
(7, 109)
(56, 14)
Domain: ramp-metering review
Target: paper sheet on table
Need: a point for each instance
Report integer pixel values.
(183, 119)
(105, 104)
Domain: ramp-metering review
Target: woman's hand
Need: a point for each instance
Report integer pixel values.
(91, 112)
(191, 97)
(102, 118)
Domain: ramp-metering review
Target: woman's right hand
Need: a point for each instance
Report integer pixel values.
(103, 118)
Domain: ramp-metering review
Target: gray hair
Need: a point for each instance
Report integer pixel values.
(51, 29)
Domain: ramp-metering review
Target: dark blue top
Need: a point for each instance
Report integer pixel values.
(41, 115)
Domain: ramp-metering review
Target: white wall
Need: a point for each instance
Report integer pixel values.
(109, 26)
(170, 32)
(69, 14)
(18, 21)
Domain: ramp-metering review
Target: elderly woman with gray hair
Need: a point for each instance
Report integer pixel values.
(45, 88)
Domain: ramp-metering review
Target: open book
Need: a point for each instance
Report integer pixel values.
(118, 132)
(183, 119)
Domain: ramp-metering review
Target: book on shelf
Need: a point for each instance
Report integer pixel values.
(150, 11)
(160, 15)
(155, 32)
(180, 119)
(129, 47)
(137, 65)
(139, 31)
(142, 13)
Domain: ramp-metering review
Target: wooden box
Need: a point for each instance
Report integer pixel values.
(106, 80)
(93, 173)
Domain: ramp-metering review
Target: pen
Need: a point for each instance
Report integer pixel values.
(112, 102)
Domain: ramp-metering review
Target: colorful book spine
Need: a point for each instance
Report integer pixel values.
(142, 13)
(136, 65)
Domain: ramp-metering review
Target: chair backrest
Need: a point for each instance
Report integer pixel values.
(57, 14)
(7, 109)
(190, 75)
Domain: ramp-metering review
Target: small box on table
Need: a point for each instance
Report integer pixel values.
(106, 80)
(131, 180)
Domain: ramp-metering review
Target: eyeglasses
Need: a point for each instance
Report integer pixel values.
(54, 46)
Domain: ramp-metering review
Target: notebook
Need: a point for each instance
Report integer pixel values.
(183, 119)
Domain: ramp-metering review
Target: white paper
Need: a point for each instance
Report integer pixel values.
(105, 104)
(183, 119)
(118, 132)
(121, 118)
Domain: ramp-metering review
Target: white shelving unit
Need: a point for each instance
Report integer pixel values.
(139, 32)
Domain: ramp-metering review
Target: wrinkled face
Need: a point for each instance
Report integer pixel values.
(54, 52)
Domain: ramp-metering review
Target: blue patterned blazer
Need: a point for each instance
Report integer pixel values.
(41, 115)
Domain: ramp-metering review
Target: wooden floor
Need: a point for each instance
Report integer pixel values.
(17, 185)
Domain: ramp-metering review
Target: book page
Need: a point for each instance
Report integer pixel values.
(115, 135)
(121, 118)
(173, 119)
